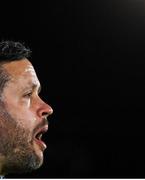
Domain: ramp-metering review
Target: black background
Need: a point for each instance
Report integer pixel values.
(89, 57)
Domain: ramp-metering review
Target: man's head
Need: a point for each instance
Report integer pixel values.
(23, 114)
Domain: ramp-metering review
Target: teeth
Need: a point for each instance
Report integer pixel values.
(39, 136)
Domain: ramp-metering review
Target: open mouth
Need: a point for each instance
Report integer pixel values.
(38, 137)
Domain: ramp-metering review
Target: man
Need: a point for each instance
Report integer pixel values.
(23, 114)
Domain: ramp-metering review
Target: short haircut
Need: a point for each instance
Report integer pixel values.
(10, 51)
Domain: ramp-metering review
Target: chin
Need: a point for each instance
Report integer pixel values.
(25, 162)
(39, 155)
(39, 160)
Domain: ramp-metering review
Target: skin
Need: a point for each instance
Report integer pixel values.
(22, 114)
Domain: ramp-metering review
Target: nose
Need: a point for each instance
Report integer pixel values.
(44, 110)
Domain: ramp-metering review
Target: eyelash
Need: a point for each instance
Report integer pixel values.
(28, 95)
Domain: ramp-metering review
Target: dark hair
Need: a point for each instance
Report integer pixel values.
(10, 51)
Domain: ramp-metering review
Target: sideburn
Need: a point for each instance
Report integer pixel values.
(4, 78)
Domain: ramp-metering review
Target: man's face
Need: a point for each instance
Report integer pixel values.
(22, 119)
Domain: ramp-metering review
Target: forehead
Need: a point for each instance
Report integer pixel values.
(15, 68)
(21, 70)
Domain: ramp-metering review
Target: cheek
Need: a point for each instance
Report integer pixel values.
(22, 113)
(26, 103)
(26, 119)
(23, 117)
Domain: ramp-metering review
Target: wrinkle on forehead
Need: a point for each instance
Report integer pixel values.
(21, 71)
(20, 67)
(30, 69)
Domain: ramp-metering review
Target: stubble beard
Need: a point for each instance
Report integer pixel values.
(16, 145)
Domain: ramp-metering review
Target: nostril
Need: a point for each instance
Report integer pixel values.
(47, 113)
(45, 110)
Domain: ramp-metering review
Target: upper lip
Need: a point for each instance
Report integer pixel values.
(41, 130)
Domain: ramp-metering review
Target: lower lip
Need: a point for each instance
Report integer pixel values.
(41, 144)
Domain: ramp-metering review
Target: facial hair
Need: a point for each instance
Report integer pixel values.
(16, 145)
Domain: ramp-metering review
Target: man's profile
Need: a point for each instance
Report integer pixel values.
(23, 114)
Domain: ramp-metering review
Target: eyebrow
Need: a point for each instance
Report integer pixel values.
(34, 86)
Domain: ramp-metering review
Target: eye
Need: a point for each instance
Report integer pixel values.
(28, 95)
